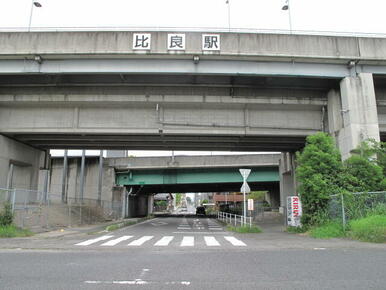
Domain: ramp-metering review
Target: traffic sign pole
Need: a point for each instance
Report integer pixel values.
(245, 173)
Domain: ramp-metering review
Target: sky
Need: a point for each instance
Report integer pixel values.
(337, 16)
(310, 15)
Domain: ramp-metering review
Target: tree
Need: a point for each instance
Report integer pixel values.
(204, 201)
(318, 172)
(257, 195)
(178, 198)
(365, 175)
(373, 151)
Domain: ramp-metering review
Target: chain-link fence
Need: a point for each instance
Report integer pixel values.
(37, 210)
(351, 206)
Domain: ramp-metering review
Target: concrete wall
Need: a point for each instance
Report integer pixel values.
(26, 161)
(73, 178)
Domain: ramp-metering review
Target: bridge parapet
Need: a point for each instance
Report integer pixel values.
(215, 161)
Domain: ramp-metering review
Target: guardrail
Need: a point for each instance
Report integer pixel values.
(234, 219)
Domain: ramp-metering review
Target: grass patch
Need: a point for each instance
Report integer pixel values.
(12, 231)
(328, 230)
(111, 228)
(369, 229)
(244, 229)
(296, 230)
(117, 226)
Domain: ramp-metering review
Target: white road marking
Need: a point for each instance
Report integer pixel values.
(138, 282)
(211, 241)
(140, 241)
(234, 241)
(92, 241)
(201, 233)
(187, 242)
(132, 282)
(116, 241)
(164, 241)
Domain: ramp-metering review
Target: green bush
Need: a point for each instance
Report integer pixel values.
(369, 229)
(332, 229)
(6, 216)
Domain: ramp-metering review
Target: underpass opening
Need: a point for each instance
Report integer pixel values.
(217, 188)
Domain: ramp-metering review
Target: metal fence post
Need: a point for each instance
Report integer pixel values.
(13, 200)
(343, 213)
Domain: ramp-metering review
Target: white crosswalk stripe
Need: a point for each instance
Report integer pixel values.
(92, 241)
(211, 241)
(116, 241)
(164, 241)
(235, 242)
(187, 242)
(184, 241)
(141, 241)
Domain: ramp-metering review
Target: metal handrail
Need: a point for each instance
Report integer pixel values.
(234, 219)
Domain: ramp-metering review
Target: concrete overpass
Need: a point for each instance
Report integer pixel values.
(255, 92)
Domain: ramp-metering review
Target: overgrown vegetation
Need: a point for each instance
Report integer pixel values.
(6, 215)
(369, 229)
(331, 229)
(120, 225)
(11, 231)
(322, 174)
(244, 229)
(318, 171)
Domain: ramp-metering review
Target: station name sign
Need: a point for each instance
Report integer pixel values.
(176, 41)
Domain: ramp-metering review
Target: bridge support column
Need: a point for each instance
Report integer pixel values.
(150, 203)
(287, 179)
(19, 164)
(353, 116)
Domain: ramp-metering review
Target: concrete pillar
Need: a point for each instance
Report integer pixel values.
(10, 176)
(287, 178)
(150, 203)
(353, 118)
(64, 176)
(141, 205)
(81, 177)
(100, 176)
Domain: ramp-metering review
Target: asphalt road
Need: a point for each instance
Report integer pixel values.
(272, 260)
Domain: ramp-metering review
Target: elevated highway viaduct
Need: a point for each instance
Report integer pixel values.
(249, 92)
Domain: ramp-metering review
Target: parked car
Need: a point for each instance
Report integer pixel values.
(200, 210)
